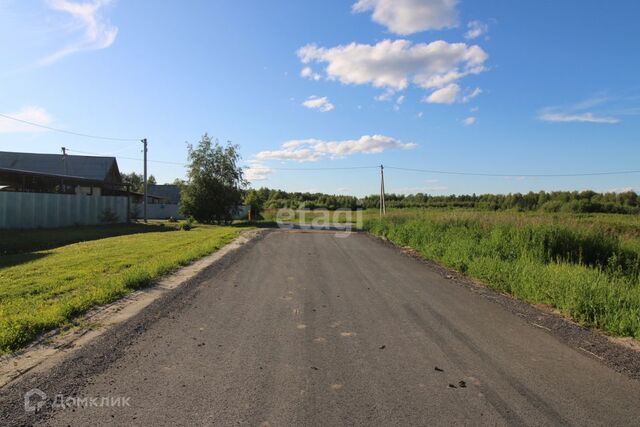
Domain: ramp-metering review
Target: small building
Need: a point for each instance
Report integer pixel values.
(56, 190)
(163, 202)
(58, 173)
(168, 194)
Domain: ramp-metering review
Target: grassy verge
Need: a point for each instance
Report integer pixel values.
(43, 290)
(588, 268)
(25, 241)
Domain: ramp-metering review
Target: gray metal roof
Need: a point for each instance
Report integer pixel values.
(87, 167)
(169, 192)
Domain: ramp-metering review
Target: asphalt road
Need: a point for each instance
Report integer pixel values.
(306, 328)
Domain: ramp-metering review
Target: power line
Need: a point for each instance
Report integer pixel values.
(432, 171)
(325, 168)
(504, 175)
(128, 158)
(108, 138)
(155, 161)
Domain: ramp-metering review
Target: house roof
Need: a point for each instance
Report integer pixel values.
(103, 169)
(169, 192)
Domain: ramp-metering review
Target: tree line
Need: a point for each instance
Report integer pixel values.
(556, 201)
(267, 198)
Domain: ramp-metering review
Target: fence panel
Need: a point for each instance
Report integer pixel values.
(43, 210)
(158, 211)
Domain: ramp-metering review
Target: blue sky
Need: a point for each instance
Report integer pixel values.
(528, 87)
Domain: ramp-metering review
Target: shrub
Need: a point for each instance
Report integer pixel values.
(188, 224)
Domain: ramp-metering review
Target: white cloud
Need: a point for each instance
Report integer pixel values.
(319, 103)
(469, 121)
(451, 94)
(583, 112)
(257, 171)
(406, 17)
(474, 109)
(387, 95)
(468, 97)
(393, 65)
(308, 73)
(476, 29)
(420, 114)
(446, 95)
(560, 117)
(399, 101)
(97, 32)
(30, 114)
(309, 150)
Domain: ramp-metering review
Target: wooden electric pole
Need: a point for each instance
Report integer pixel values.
(144, 143)
(383, 208)
(64, 166)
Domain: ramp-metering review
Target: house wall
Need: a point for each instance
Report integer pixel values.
(45, 210)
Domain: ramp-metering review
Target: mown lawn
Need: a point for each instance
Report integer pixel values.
(44, 289)
(587, 266)
(26, 241)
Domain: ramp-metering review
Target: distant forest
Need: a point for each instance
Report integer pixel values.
(557, 201)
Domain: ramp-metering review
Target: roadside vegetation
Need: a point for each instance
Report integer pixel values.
(587, 266)
(216, 182)
(43, 289)
(542, 201)
(549, 202)
(26, 241)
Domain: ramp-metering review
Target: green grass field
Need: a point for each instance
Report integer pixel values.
(587, 266)
(44, 289)
(26, 241)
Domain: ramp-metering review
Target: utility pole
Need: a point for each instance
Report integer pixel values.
(383, 208)
(64, 166)
(144, 143)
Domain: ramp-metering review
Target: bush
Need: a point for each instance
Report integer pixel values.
(188, 224)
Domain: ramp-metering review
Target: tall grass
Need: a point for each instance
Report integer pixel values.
(589, 270)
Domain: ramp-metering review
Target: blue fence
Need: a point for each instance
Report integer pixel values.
(41, 210)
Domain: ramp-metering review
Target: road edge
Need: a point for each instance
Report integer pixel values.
(53, 347)
(620, 354)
